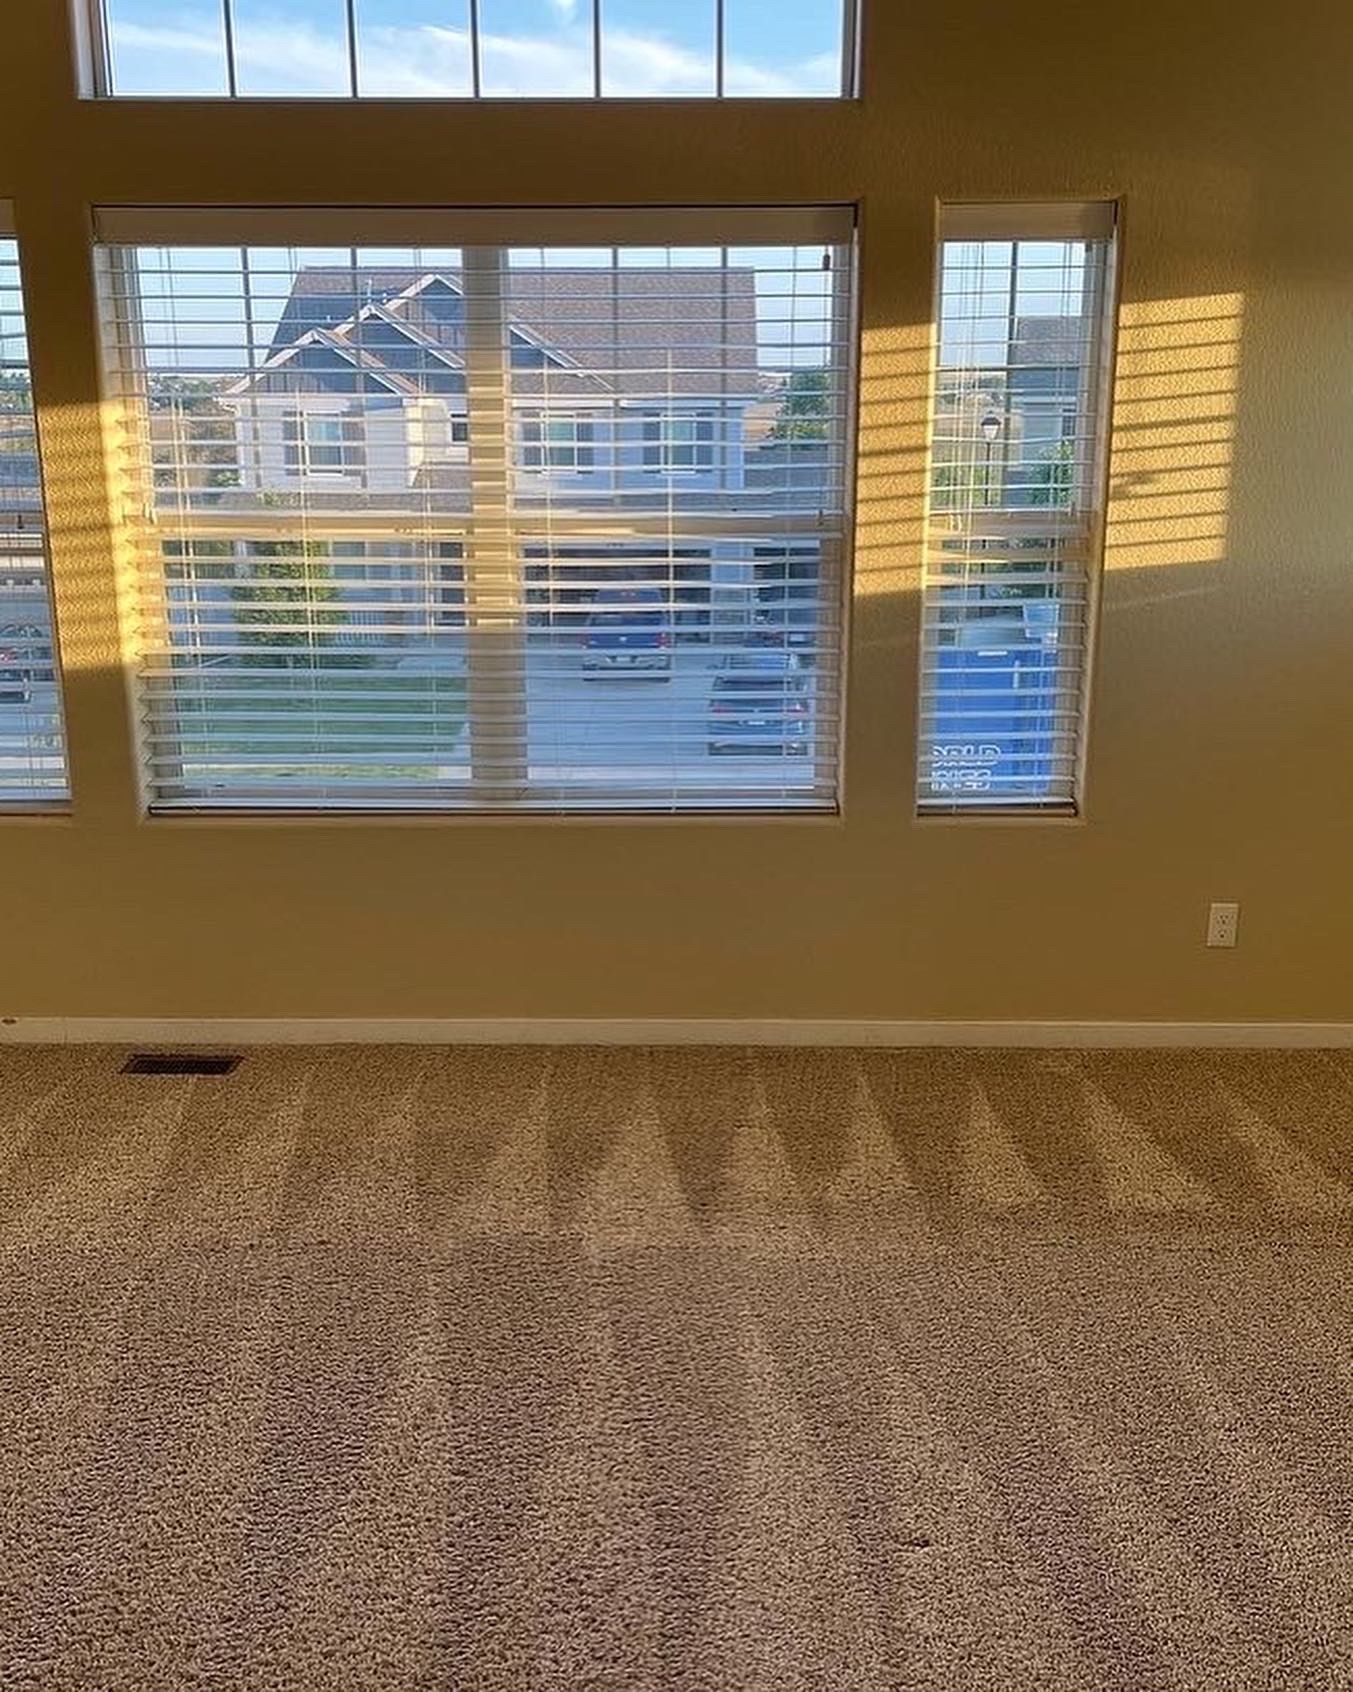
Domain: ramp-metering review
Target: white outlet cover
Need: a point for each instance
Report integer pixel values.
(1223, 923)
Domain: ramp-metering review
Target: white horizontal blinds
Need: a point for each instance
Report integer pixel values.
(410, 545)
(460, 49)
(678, 502)
(32, 742)
(1016, 501)
(291, 436)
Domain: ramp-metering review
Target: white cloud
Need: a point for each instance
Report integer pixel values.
(428, 61)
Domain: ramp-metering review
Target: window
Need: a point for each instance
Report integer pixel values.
(558, 443)
(460, 49)
(679, 441)
(320, 443)
(32, 742)
(1018, 465)
(528, 621)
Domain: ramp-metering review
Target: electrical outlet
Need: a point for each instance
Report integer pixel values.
(1223, 921)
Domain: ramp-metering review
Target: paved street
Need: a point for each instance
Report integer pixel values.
(582, 729)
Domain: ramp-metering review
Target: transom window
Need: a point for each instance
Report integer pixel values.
(460, 49)
(502, 605)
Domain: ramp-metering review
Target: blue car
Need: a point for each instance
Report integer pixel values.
(629, 633)
(790, 626)
(761, 702)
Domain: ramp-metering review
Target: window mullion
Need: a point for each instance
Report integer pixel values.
(494, 574)
(476, 53)
(93, 47)
(228, 37)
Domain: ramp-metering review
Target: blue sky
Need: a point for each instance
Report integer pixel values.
(528, 47)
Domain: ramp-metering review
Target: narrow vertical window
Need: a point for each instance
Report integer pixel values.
(1017, 486)
(32, 742)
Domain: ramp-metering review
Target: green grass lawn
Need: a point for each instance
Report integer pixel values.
(361, 724)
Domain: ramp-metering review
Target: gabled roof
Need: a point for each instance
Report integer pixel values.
(1043, 343)
(1057, 341)
(358, 371)
(576, 331)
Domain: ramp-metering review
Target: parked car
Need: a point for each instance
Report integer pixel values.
(629, 633)
(793, 626)
(761, 702)
(25, 657)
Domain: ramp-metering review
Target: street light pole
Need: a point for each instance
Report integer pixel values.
(990, 426)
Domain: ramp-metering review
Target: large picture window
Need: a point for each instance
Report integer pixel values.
(505, 604)
(1018, 466)
(32, 741)
(462, 49)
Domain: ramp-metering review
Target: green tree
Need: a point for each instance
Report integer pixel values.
(1054, 475)
(956, 487)
(280, 606)
(191, 410)
(805, 412)
(16, 412)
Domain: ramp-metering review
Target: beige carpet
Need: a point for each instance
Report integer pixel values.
(509, 1370)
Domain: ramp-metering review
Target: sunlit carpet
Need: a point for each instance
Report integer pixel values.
(408, 1368)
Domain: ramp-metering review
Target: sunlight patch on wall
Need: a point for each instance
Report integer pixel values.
(1174, 424)
(894, 409)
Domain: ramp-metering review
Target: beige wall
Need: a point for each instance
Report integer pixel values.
(1221, 757)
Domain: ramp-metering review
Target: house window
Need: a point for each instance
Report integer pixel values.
(322, 443)
(558, 443)
(449, 587)
(462, 49)
(32, 736)
(1025, 317)
(444, 632)
(679, 441)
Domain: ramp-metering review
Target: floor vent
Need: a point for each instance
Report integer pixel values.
(178, 1063)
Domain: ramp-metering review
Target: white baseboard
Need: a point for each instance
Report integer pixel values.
(546, 1031)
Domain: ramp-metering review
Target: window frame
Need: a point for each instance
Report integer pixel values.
(58, 801)
(497, 551)
(92, 35)
(1079, 527)
(575, 455)
(659, 449)
(301, 450)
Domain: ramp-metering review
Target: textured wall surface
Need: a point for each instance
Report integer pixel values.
(1223, 691)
